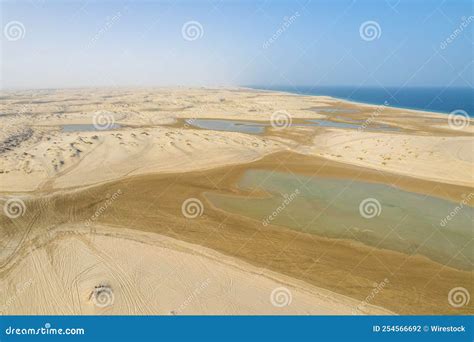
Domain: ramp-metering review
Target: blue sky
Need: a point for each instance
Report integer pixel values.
(141, 43)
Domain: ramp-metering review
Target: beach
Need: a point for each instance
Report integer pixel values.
(178, 201)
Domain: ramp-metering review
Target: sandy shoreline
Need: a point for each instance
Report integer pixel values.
(145, 144)
(45, 156)
(158, 159)
(185, 279)
(153, 204)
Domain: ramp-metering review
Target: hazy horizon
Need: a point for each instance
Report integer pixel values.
(244, 86)
(76, 44)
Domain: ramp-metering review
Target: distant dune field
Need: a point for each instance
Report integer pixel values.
(106, 205)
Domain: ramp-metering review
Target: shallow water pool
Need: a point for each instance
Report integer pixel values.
(258, 128)
(87, 128)
(374, 214)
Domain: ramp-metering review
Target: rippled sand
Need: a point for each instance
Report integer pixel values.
(77, 239)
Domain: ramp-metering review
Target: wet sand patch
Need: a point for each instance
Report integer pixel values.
(153, 203)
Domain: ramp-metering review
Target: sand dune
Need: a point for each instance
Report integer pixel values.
(145, 132)
(106, 270)
(38, 153)
(443, 159)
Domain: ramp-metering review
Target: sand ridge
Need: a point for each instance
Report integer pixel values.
(158, 159)
(154, 137)
(146, 273)
(442, 159)
(154, 203)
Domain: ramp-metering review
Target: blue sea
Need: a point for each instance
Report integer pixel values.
(433, 99)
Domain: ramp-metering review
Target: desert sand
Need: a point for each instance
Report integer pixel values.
(145, 273)
(59, 254)
(154, 137)
(442, 159)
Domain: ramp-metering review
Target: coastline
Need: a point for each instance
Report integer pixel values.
(158, 161)
(375, 104)
(142, 129)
